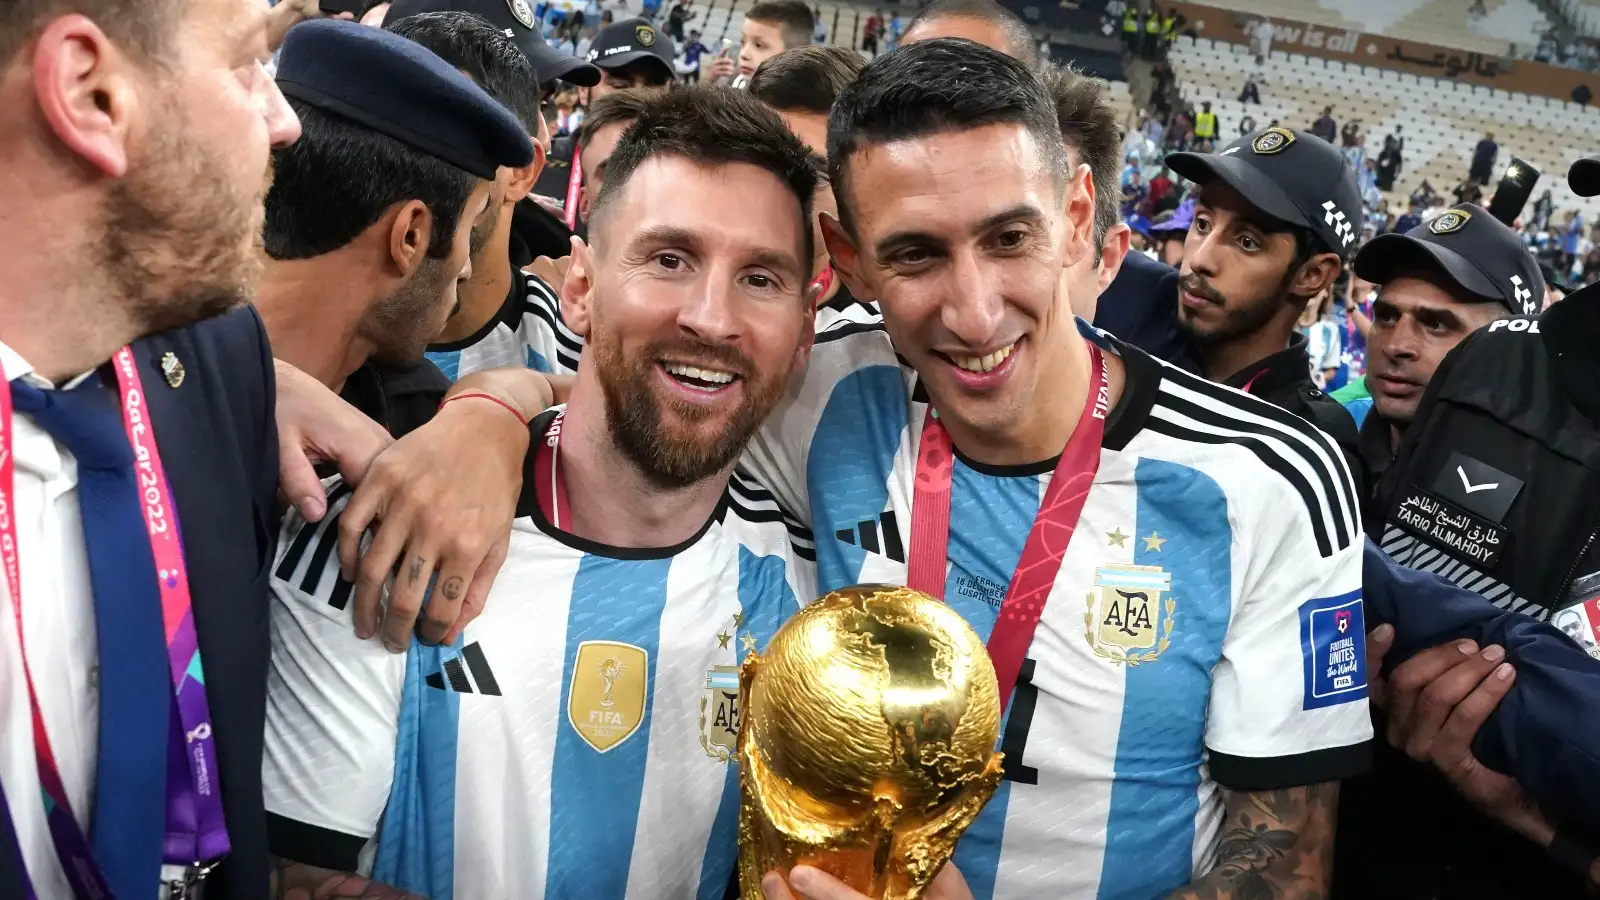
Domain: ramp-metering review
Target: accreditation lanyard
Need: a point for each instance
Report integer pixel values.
(1047, 541)
(551, 489)
(196, 829)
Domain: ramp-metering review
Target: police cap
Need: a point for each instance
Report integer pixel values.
(1473, 249)
(1293, 176)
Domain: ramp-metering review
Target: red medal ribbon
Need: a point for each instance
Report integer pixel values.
(1047, 541)
(551, 490)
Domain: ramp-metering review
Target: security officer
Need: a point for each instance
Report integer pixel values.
(540, 228)
(489, 42)
(1205, 123)
(1496, 487)
(371, 213)
(1273, 222)
(630, 54)
(1439, 282)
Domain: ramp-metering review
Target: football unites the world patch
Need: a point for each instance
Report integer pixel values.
(1273, 140)
(1333, 644)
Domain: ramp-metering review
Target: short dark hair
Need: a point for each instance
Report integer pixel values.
(468, 42)
(936, 86)
(340, 178)
(806, 79)
(793, 18)
(710, 125)
(145, 27)
(1019, 41)
(615, 108)
(1090, 128)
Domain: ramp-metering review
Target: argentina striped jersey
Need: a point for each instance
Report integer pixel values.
(1204, 632)
(576, 742)
(527, 331)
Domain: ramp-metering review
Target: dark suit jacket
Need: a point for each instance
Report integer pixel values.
(219, 440)
(1140, 306)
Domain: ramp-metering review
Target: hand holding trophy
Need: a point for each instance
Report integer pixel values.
(866, 744)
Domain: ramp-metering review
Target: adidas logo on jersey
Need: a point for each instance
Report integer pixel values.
(880, 535)
(456, 674)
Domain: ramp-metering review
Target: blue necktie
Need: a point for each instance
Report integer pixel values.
(129, 813)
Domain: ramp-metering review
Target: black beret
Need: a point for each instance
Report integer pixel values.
(398, 88)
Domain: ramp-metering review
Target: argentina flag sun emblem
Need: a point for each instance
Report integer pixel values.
(1130, 613)
(719, 713)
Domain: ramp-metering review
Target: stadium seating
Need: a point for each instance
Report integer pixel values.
(1443, 120)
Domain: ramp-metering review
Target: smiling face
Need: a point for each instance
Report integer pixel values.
(1415, 322)
(692, 303)
(962, 237)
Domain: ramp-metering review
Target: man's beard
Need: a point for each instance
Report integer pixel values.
(638, 422)
(405, 323)
(1238, 319)
(483, 232)
(180, 242)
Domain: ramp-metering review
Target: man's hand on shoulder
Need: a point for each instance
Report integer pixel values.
(440, 504)
(316, 426)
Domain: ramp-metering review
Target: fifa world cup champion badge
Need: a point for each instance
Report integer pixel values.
(866, 745)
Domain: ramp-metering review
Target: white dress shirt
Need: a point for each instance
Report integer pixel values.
(58, 619)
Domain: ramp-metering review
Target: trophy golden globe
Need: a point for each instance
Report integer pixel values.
(866, 743)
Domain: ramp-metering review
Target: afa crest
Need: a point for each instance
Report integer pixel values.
(1273, 140)
(1449, 221)
(719, 713)
(609, 690)
(1130, 613)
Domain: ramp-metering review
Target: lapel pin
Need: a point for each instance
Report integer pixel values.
(173, 369)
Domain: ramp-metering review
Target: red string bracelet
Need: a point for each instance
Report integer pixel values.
(484, 396)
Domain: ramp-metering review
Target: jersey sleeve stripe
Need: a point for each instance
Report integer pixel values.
(1269, 457)
(313, 844)
(308, 533)
(546, 306)
(753, 503)
(1324, 453)
(1317, 475)
(1325, 481)
(1243, 773)
(845, 328)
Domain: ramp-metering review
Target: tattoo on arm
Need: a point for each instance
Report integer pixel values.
(1276, 845)
(298, 881)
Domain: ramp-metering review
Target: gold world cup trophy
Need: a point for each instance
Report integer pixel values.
(866, 745)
